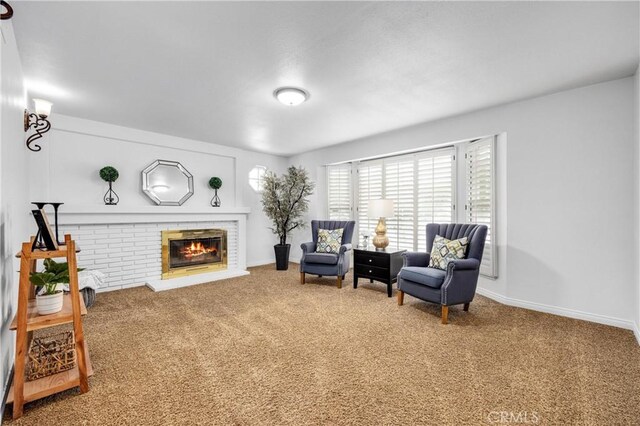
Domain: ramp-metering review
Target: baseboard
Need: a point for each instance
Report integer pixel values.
(636, 331)
(261, 262)
(5, 394)
(564, 312)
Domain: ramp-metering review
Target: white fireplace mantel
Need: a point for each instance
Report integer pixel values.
(102, 214)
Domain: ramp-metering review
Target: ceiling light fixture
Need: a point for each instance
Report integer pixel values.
(291, 96)
(38, 121)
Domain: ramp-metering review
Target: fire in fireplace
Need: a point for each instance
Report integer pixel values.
(187, 252)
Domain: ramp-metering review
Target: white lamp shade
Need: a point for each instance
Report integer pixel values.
(380, 208)
(43, 108)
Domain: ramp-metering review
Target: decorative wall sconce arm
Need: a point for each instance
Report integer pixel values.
(8, 10)
(38, 122)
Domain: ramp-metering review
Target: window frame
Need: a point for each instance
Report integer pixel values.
(493, 231)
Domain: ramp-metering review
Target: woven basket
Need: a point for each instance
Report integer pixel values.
(51, 354)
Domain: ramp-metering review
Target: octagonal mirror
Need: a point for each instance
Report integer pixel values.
(167, 183)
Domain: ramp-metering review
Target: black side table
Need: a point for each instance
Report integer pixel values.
(381, 266)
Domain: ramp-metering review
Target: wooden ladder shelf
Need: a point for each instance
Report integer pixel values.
(27, 320)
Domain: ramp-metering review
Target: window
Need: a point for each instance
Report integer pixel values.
(436, 191)
(339, 191)
(422, 187)
(399, 186)
(369, 188)
(480, 196)
(425, 190)
(256, 177)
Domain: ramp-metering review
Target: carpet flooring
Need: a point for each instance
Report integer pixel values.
(265, 350)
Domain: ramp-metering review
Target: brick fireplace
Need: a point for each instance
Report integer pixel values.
(126, 243)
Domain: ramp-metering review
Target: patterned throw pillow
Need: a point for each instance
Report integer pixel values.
(329, 240)
(444, 251)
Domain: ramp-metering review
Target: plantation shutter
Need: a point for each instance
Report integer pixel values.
(436, 185)
(339, 191)
(480, 203)
(399, 187)
(369, 188)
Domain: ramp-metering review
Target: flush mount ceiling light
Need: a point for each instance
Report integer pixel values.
(291, 96)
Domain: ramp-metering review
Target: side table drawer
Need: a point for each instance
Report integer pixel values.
(372, 272)
(371, 259)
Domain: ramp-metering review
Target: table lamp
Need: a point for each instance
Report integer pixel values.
(381, 209)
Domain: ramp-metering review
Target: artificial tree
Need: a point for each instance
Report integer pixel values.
(285, 201)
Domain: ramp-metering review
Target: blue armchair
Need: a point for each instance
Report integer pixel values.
(456, 285)
(329, 264)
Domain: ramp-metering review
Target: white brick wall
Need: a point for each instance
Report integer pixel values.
(128, 254)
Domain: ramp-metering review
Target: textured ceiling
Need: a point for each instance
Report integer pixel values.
(207, 71)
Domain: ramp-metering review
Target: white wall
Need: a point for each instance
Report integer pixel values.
(75, 150)
(15, 222)
(560, 251)
(636, 180)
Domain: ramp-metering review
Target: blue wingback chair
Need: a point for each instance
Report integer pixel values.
(456, 285)
(327, 263)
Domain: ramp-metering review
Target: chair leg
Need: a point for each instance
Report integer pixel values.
(445, 314)
(466, 307)
(339, 281)
(301, 277)
(400, 297)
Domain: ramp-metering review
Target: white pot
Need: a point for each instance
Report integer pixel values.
(49, 303)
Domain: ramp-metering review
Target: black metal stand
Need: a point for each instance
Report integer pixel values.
(215, 201)
(110, 197)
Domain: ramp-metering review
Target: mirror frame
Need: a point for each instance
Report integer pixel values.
(151, 194)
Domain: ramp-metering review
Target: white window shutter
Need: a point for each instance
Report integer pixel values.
(399, 187)
(436, 191)
(480, 202)
(369, 188)
(339, 192)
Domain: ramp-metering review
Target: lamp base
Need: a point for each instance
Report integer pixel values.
(381, 241)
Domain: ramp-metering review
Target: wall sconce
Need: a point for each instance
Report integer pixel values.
(9, 10)
(38, 121)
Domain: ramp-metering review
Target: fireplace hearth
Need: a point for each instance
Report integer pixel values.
(189, 252)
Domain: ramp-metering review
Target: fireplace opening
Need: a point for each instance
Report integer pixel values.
(187, 252)
(196, 251)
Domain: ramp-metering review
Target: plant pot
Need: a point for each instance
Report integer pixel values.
(282, 256)
(49, 303)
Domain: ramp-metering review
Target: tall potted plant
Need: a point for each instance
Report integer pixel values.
(284, 201)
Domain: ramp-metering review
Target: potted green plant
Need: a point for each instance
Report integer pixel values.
(54, 274)
(284, 201)
(215, 183)
(110, 174)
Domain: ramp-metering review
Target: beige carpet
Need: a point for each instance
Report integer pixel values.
(264, 349)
